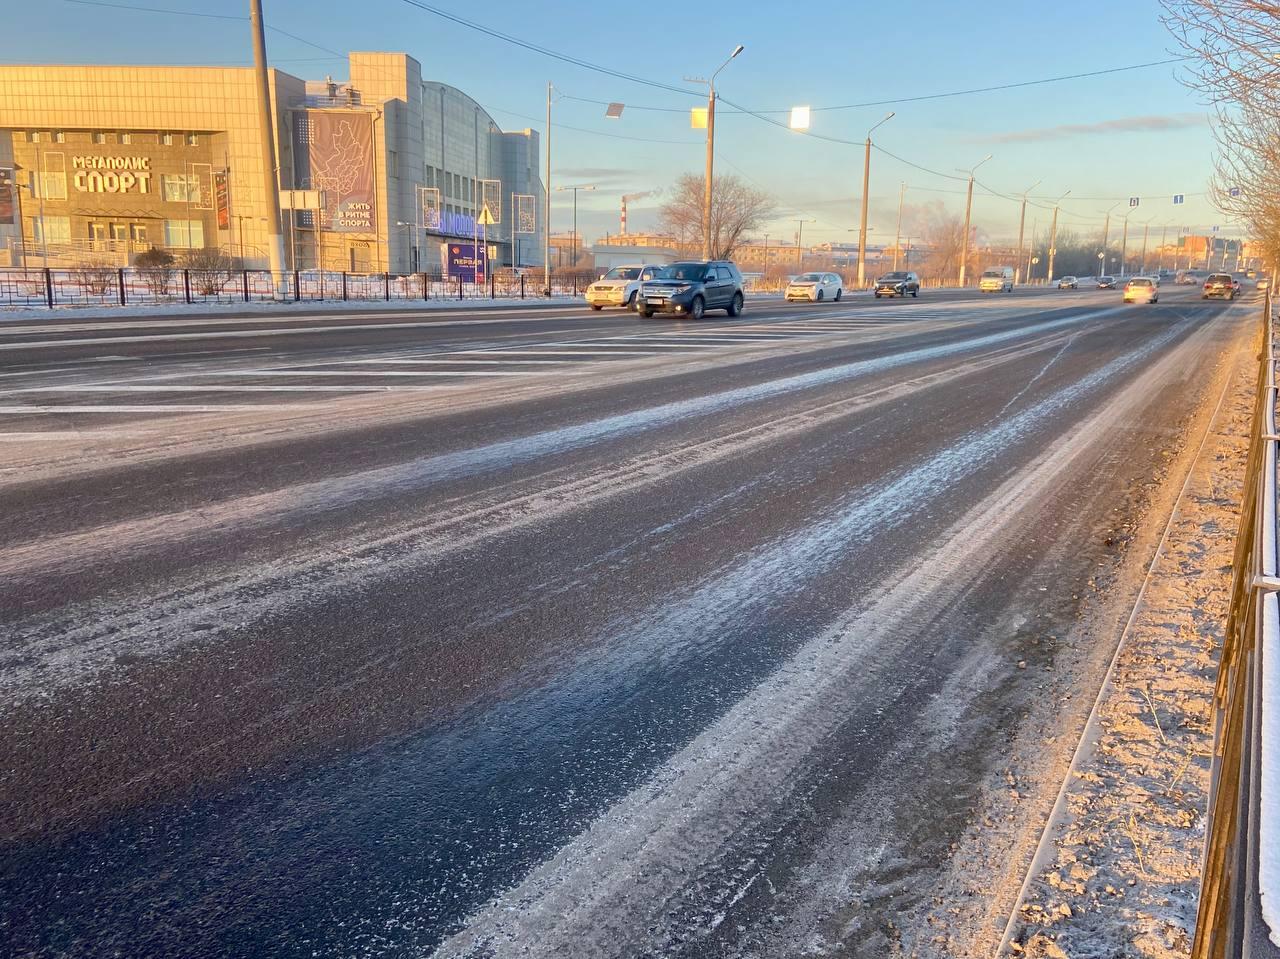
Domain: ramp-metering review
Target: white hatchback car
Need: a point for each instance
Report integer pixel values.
(815, 287)
(619, 286)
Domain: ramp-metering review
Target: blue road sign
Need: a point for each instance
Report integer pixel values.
(1234, 191)
(1177, 198)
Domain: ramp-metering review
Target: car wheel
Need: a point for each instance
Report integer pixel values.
(820, 296)
(877, 296)
(596, 306)
(839, 293)
(646, 312)
(697, 308)
(916, 291)
(631, 301)
(735, 305)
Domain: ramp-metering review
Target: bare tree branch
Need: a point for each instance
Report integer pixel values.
(737, 209)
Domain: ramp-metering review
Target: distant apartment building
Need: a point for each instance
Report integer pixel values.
(108, 161)
(622, 249)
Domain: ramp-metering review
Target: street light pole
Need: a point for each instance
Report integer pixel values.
(1145, 227)
(1053, 236)
(866, 189)
(968, 208)
(573, 243)
(1022, 226)
(547, 224)
(707, 252)
(897, 239)
(266, 134)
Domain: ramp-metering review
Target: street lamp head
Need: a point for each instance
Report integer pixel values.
(736, 50)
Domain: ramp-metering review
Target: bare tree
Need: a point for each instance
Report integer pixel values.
(211, 269)
(1231, 62)
(737, 208)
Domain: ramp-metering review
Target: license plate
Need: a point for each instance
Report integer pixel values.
(655, 301)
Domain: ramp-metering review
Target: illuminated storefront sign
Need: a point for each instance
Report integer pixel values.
(111, 174)
(456, 224)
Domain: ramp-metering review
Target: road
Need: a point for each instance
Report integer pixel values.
(560, 633)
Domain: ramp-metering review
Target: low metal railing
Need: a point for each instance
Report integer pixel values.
(111, 286)
(1239, 910)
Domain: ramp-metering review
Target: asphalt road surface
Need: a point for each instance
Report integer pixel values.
(550, 632)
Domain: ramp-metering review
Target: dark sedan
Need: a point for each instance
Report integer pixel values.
(897, 284)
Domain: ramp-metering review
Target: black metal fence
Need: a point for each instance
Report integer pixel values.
(109, 286)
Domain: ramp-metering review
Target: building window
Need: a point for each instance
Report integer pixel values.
(99, 137)
(138, 232)
(52, 229)
(180, 187)
(59, 137)
(126, 138)
(184, 234)
(393, 164)
(193, 139)
(34, 136)
(166, 139)
(52, 182)
(119, 231)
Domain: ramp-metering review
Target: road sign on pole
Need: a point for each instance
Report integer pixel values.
(1178, 198)
(1133, 201)
(1234, 191)
(486, 216)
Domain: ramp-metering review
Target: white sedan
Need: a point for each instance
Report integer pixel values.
(619, 286)
(815, 287)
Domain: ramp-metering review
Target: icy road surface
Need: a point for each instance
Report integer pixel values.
(555, 633)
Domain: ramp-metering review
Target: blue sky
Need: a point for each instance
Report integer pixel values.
(1135, 133)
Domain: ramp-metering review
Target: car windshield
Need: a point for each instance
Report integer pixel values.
(1140, 282)
(994, 273)
(809, 278)
(623, 273)
(683, 271)
(892, 277)
(1104, 279)
(1219, 278)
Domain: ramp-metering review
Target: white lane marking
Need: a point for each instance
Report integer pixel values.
(175, 408)
(446, 360)
(75, 435)
(235, 373)
(231, 388)
(504, 353)
(232, 334)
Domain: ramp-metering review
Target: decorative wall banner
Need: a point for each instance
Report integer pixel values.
(222, 199)
(460, 261)
(338, 147)
(526, 212)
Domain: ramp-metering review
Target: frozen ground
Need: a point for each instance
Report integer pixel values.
(1120, 873)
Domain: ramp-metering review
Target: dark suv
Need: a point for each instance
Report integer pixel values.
(690, 289)
(898, 284)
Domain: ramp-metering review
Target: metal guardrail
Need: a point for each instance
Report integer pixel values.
(110, 286)
(1239, 910)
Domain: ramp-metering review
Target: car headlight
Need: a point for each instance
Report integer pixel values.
(682, 289)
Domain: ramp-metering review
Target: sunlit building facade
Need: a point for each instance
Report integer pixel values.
(100, 163)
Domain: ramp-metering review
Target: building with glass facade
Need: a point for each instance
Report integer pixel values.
(384, 171)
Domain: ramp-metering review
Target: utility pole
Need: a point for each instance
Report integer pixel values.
(1164, 228)
(897, 239)
(1106, 229)
(866, 189)
(1124, 247)
(1053, 236)
(270, 180)
(546, 234)
(707, 252)
(968, 209)
(1143, 268)
(799, 247)
(1022, 224)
